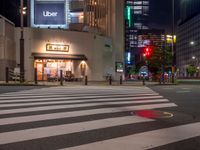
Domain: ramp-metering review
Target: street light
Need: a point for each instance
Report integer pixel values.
(173, 52)
(192, 43)
(22, 13)
(193, 57)
(196, 63)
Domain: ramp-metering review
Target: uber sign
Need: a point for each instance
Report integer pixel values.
(49, 13)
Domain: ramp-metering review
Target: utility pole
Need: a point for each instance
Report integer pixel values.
(173, 48)
(22, 42)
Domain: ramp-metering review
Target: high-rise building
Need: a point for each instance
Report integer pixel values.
(188, 37)
(136, 18)
(188, 8)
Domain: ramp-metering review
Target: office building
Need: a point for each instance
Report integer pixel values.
(136, 18)
(188, 37)
(188, 8)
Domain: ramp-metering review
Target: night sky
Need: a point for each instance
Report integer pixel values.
(160, 12)
(8, 8)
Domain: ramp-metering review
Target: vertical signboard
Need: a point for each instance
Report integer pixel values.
(119, 67)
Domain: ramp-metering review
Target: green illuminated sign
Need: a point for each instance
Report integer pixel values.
(128, 15)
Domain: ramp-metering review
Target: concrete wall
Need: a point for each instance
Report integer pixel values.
(118, 32)
(7, 46)
(99, 56)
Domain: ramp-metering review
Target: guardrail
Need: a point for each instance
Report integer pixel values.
(13, 75)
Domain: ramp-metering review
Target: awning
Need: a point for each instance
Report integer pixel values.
(58, 56)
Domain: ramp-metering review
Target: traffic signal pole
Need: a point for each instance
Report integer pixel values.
(173, 52)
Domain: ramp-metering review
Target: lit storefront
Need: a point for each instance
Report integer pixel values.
(48, 66)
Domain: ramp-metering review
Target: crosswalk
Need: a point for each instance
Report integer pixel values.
(83, 118)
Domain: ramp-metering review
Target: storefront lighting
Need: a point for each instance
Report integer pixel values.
(83, 62)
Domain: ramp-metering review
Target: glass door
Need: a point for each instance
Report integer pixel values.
(40, 68)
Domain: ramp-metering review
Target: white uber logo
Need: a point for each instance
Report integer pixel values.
(50, 14)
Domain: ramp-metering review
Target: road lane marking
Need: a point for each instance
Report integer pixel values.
(74, 102)
(30, 134)
(72, 94)
(51, 108)
(72, 98)
(25, 119)
(146, 140)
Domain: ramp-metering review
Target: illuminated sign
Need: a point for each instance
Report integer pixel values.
(57, 47)
(128, 58)
(128, 15)
(169, 39)
(49, 13)
(119, 67)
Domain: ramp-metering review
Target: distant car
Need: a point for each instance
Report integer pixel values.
(143, 74)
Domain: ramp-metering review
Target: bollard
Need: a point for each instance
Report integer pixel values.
(120, 80)
(110, 80)
(86, 80)
(61, 77)
(35, 76)
(143, 80)
(7, 74)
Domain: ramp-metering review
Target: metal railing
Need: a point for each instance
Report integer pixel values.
(13, 75)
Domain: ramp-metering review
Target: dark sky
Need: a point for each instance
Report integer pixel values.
(10, 9)
(160, 12)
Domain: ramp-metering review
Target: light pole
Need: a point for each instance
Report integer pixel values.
(196, 64)
(22, 41)
(173, 48)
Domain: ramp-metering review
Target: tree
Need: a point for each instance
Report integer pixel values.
(160, 59)
(191, 70)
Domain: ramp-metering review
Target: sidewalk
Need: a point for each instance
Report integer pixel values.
(188, 81)
(82, 83)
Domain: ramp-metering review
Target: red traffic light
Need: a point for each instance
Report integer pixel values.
(147, 51)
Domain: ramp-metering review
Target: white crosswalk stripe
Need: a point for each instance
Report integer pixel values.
(158, 138)
(57, 112)
(12, 137)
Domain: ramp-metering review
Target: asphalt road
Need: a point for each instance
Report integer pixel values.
(8, 89)
(187, 97)
(100, 117)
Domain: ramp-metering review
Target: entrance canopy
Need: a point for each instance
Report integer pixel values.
(58, 56)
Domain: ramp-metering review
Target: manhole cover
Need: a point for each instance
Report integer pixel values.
(153, 114)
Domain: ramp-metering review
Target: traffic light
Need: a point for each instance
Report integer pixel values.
(147, 52)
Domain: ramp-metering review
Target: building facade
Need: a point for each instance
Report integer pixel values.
(188, 9)
(188, 37)
(78, 37)
(136, 18)
(154, 38)
(7, 45)
(188, 45)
